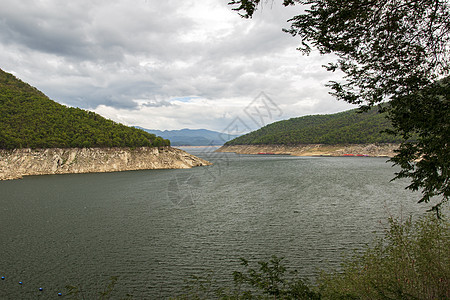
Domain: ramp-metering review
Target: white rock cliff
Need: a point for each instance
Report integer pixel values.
(377, 150)
(17, 163)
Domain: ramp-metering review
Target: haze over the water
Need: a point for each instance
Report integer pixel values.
(164, 64)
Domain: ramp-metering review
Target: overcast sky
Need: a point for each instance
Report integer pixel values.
(165, 64)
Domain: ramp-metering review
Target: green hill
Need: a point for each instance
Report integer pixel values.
(348, 127)
(29, 119)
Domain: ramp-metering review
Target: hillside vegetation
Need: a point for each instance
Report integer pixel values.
(348, 127)
(29, 119)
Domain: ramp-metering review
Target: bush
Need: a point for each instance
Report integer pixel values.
(411, 261)
(268, 281)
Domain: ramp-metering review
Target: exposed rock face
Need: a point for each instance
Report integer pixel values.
(21, 162)
(315, 149)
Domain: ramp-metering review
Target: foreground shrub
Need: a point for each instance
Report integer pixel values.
(269, 280)
(412, 261)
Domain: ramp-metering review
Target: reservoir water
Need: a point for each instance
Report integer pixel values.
(154, 228)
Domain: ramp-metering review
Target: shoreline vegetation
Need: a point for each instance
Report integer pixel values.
(14, 164)
(372, 150)
(409, 262)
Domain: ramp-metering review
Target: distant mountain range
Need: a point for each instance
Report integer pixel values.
(192, 137)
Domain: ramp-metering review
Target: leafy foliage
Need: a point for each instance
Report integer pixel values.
(384, 47)
(410, 262)
(349, 127)
(29, 119)
(270, 280)
(426, 115)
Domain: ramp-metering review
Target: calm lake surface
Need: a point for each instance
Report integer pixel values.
(155, 228)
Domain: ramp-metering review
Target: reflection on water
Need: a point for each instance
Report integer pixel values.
(154, 228)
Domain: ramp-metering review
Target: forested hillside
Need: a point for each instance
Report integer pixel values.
(348, 127)
(29, 119)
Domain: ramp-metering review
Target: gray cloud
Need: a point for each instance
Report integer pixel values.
(125, 59)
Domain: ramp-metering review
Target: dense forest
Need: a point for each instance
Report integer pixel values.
(29, 119)
(348, 127)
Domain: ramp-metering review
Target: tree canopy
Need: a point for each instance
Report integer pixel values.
(29, 119)
(388, 50)
(427, 160)
(348, 127)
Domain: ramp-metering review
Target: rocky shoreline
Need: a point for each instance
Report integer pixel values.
(373, 150)
(15, 164)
